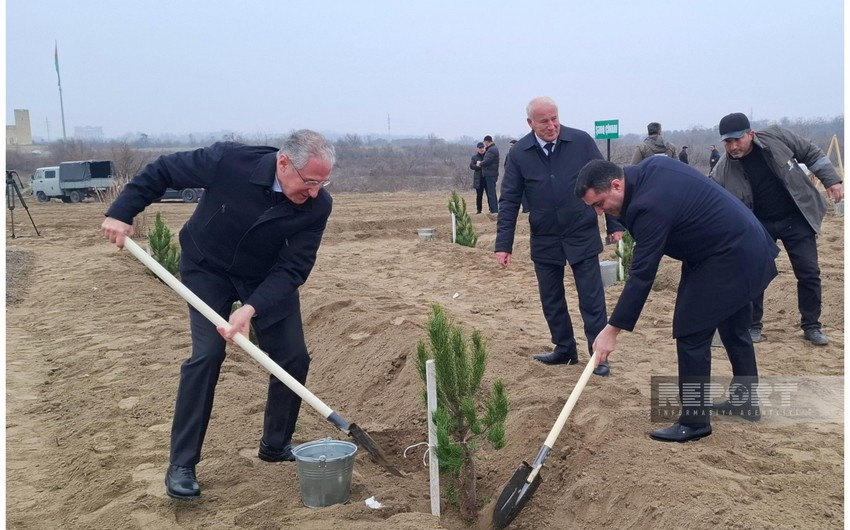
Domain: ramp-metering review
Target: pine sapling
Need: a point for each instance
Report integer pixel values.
(463, 416)
(466, 235)
(162, 249)
(626, 254)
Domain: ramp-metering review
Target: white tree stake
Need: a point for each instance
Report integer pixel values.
(454, 228)
(621, 274)
(433, 464)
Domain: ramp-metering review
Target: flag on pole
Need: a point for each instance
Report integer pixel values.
(56, 62)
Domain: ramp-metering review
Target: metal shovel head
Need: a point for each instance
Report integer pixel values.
(366, 442)
(515, 496)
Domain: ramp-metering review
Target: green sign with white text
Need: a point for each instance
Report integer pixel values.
(607, 130)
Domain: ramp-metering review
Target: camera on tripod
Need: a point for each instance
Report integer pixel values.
(12, 191)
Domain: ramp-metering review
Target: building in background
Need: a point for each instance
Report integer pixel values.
(19, 134)
(89, 133)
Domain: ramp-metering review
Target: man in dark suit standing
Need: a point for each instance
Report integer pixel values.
(477, 179)
(490, 172)
(543, 165)
(254, 238)
(683, 155)
(727, 260)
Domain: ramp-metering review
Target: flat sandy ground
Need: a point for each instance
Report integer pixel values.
(94, 346)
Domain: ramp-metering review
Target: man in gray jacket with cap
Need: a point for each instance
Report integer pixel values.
(762, 169)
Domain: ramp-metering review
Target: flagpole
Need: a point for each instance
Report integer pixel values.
(61, 103)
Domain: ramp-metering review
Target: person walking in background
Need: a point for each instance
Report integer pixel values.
(683, 154)
(543, 165)
(653, 144)
(490, 172)
(477, 179)
(713, 158)
(761, 168)
(524, 197)
(727, 260)
(254, 238)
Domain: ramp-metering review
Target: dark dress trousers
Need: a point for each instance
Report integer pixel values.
(243, 242)
(477, 180)
(490, 174)
(563, 229)
(727, 260)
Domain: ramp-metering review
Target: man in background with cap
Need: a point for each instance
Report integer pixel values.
(653, 144)
(490, 172)
(683, 154)
(477, 179)
(761, 168)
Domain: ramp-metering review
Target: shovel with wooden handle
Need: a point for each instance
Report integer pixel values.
(526, 479)
(359, 435)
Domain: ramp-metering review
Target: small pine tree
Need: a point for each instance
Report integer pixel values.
(466, 235)
(457, 418)
(626, 255)
(163, 250)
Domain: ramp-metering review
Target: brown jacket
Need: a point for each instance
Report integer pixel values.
(653, 145)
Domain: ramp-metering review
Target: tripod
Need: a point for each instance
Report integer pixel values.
(12, 189)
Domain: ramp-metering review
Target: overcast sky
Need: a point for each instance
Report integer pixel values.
(450, 68)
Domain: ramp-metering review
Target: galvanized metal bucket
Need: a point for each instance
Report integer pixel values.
(324, 471)
(609, 272)
(427, 234)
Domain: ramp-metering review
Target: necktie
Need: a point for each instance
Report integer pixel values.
(549, 147)
(278, 197)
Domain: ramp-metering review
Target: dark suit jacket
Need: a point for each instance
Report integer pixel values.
(237, 229)
(490, 163)
(727, 256)
(476, 170)
(563, 227)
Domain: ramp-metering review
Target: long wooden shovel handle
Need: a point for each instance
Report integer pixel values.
(571, 401)
(546, 448)
(243, 341)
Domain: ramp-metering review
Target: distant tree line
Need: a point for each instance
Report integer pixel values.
(366, 164)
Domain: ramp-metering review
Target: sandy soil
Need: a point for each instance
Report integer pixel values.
(94, 346)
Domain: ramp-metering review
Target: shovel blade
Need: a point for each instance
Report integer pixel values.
(366, 442)
(515, 496)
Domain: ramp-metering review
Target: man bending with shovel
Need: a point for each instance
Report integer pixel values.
(253, 237)
(727, 260)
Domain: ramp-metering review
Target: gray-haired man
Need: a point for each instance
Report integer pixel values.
(254, 238)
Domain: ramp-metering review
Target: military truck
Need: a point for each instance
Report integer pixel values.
(73, 181)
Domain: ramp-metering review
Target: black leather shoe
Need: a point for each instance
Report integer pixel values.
(602, 369)
(756, 335)
(745, 412)
(268, 454)
(557, 357)
(181, 483)
(816, 336)
(679, 432)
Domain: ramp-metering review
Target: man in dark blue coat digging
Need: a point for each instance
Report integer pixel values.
(253, 237)
(727, 261)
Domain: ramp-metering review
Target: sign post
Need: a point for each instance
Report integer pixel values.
(607, 130)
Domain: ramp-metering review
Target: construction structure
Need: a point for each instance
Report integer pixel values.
(19, 134)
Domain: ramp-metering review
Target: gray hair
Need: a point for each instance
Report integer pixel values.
(303, 144)
(537, 101)
(653, 128)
